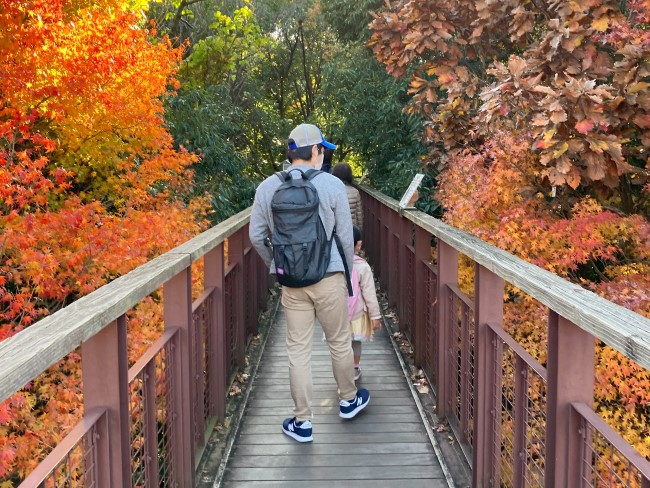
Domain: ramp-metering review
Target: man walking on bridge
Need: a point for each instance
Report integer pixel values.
(305, 212)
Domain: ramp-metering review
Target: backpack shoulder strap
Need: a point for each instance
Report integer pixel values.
(310, 174)
(339, 246)
(284, 175)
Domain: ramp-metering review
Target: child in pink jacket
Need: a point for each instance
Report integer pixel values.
(363, 307)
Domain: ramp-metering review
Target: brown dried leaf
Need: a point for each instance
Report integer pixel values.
(540, 120)
(596, 166)
(517, 66)
(544, 89)
(558, 116)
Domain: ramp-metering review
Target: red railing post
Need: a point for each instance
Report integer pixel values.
(488, 309)
(384, 247)
(214, 269)
(250, 284)
(371, 231)
(447, 275)
(264, 279)
(198, 356)
(236, 258)
(177, 303)
(392, 259)
(104, 370)
(405, 276)
(150, 425)
(520, 419)
(570, 368)
(422, 257)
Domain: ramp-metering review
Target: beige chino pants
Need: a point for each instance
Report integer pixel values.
(327, 301)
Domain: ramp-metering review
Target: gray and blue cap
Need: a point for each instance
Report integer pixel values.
(307, 135)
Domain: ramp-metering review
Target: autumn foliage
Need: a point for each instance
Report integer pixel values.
(538, 126)
(574, 74)
(91, 184)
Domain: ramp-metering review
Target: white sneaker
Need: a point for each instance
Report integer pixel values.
(300, 431)
(349, 409)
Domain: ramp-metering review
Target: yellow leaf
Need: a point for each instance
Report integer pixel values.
(561, 150)
(548, 135)
(637, 87)
(601, 24)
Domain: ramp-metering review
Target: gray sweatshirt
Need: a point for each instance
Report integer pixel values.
(334, 210)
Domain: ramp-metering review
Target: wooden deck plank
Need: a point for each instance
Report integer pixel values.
(422, 483)
(333, 460)
(282, 412)
(322, 390)
(335, 419)
(324, 394)
(297, 449)
(340, 428)
(384, 443)
(369, 438)
(302, 473)
(388, 383)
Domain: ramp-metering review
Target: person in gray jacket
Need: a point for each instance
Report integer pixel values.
(326, 299)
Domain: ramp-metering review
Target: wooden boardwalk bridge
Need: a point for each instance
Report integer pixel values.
(385, 443)
(519, 423)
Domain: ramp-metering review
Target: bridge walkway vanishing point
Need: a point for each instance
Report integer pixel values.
(385, 443)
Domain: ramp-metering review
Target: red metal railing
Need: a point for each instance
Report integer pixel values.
(519, 430)
(605, 459)
(152, 418)
(520, 424)
(146, 426)
(74, 462)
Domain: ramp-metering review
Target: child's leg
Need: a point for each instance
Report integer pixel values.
(356, 349)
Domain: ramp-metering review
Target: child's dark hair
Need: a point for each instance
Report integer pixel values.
(343, 172)
(356, 234)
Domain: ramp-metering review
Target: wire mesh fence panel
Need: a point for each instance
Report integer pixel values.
(230, 319)
(461, 350)
(431, 326)
(201, 331)
(78, 468)
(408, 294)
(519, 430)
(607, 459)
(151, 400)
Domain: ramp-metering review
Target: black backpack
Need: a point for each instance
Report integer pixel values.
(301, 249)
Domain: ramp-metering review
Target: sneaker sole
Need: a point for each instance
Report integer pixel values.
(297, 437)
(354, 412)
